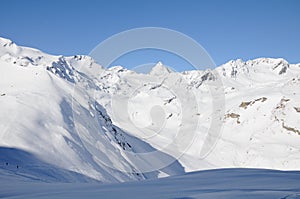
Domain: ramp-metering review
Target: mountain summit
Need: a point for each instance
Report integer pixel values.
(160, 69)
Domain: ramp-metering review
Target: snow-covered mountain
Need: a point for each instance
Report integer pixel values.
(52, 129)
(257, 112)
(69, 119)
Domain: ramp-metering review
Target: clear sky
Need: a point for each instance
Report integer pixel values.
(227, 29)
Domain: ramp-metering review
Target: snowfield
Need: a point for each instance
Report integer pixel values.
(67, 120)
(223, 183)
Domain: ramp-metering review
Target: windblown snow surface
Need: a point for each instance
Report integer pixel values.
(67, 120)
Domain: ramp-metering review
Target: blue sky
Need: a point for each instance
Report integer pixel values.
(228, 29)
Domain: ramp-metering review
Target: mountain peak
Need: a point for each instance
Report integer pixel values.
(4, 42)
(160, 69)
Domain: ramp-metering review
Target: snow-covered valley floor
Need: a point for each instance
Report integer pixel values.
(221, 183)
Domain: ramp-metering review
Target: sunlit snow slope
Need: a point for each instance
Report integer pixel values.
(52, 129)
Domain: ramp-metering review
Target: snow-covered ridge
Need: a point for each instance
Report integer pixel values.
(50, 104)
(63, 66)
(273, 65)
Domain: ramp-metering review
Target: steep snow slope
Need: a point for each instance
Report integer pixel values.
(50, 122)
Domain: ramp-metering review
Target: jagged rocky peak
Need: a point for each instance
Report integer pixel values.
(237, 62)
(277, 65)
(270, 61)
(232, 68)
(235, 67)
(6, 42)
(118, 69)
(84, 63)
(160, 69)
(82, 57)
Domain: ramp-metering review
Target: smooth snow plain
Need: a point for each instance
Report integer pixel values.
(222, 184)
